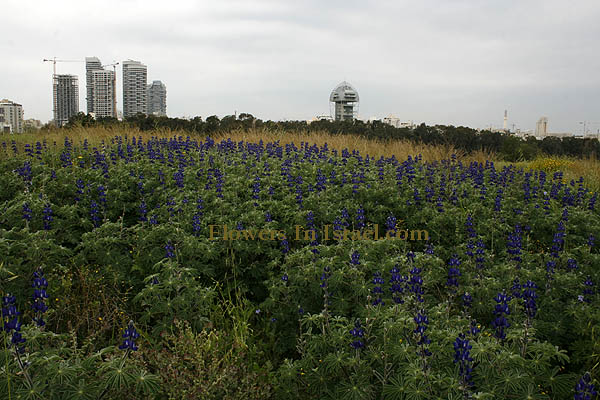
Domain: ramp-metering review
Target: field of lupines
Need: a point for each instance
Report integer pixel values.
(117, 282)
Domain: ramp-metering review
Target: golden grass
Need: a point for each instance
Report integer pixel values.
(572, 168)
(376, 148)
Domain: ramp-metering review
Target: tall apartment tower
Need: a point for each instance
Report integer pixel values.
(91, 64)
(157, 98)
(65, 90)
(135, 81)
(11, 116)
(103, 93)
(541, 128)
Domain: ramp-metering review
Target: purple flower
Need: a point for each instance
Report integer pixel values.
(10, 318)
(130, 335)
(584, 389)
(47, 217)
(354, 258)
(26, 212)
(422, 322)
(40, 284)
(462, 356)
(357, 333)
(453, 272)
(500, 323)
(377, 290)
(169, 250)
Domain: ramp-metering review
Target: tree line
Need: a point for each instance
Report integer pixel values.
(506, 145)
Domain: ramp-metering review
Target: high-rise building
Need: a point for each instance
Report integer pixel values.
(103, 88)
(541, 128)
(65, 89)
(11, 116)
(91, 64)
(135, 80)
(157, 98)
(345, 98)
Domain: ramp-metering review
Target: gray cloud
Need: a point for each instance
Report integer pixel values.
(459, 62)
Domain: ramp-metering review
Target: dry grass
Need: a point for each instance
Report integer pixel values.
(572, 168)
(400, 148)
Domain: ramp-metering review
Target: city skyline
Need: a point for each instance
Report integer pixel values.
(459, 64)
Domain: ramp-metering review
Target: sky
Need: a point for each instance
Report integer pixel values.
(451, 62)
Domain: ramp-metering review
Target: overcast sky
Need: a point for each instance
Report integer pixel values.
(433, 61)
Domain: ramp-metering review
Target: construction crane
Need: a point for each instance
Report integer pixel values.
(114, 65)
(54, 61)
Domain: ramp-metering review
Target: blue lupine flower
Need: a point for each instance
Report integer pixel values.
(178, 178)
(591, 240)
(516, 288)
(80, 186)
(285, 246)
(529, 297)
(284, 277)
(47, 217)
(325, 276)
(377, 289)
(143, 211)
(593, 199)
(467, 300)
(25, 172)
(500, 323)
(397, 285)
(429, 249)
(11, 324)
(169, 250)
(514, 244)
(257, 311)
(390, 224)
(94, 211)
(422, 321)
(588, 290)
(256, 190)
(102, 195)
(40, 284)
(473, 328)
(358, 333)
(584, 389)
(26, 212)
(130, 335)
(354, 258)
(453, 272)
(571, 264)
(462, 356)
(416, 284)
(360, 218)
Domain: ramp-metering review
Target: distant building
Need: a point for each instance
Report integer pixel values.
(135, 78)
(397, 123)
(91, 64)
(157, 98)
(11, 117)
(345, 100)
(320, 118)
(103, 87)
(32, 124)
(65, 90)
(541, 128)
